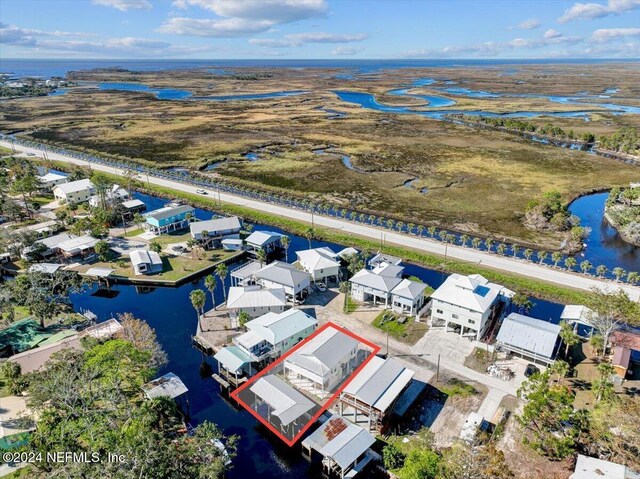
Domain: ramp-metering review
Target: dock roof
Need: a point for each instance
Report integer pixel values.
(340, 440)
(239, 297)
(529, 334)
(213, 226)
(288, 404)
(262, 238)
(168, 385)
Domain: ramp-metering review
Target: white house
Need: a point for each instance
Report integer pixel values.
(408, 297)
(216, 229)
(243, 275)
(278, 274)
(381, 259)
(49, 180)
(145, 262)
(366, 285)
(80, 246)
(265, 240)
(593, 468)
(74, 191)
(49, 245)
(256, 301)
(344, 447)
(116, 194)
(467, 303)
(529, 337)
(321, 263)
(323, 362)
(272, 334)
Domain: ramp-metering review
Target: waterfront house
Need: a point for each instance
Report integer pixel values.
(48, 246)
(170, 218)
(145, 262)
(369, 398)
(234, 364)
(116, 194)
(256, 301)
(49, 180)
(593, 468)
(321, 263)
(265, 240)
(284, 407)
(382, 259)
(468, 304)
(212, 232)
(74, 191)
(367, 286)
(272, 334)
(408, 297)
(243, 275)
(131, 207)
(323, 362)
(580, 317)
(43, 229)
(80, 248)
(344, 447)
(278, 274)
(535, 339)
(624, 343)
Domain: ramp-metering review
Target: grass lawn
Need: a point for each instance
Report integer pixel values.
(408, 332)
(456, 387)
(5, 151)
(133, 232)
(479, 360)
(168, 239)
(351, 304)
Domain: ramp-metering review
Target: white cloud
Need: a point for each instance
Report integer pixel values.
(603, 35)
(551, 33)
(299, 39)
(238, 18)
(125, 5)
(11, 34)
(589, 11)
(529, 24)
(342, 50)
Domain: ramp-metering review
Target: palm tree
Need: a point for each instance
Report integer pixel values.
(556, 256)
(632, 277)
(501, 248)
(420, 230)
(222, 271)
(399, 225)
(432, 231)
(568, 336)
(542, 255)
(309, 234)
(362, 217)
(618, 272)
(570, 262)
(514, 250)
(410, 227)
(372, 218)
(488, 242)
(205, 238)
(286, 241)
(560, 368)
(601, 270)
(198, 300)
(261, 254)
(586, 266)
(390, 224)
(210, 283)
(475, 242)
(464, 239)
(451, 238)
(527, 253)
(343, 212)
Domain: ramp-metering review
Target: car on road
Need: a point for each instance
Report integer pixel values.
(531, 370)
(31, 154)
(201, 191)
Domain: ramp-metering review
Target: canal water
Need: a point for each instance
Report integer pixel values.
(169, 312)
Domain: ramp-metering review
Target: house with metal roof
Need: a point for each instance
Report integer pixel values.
(344, 447)
(382, 259)
(272, 334)
(243, 275)
(234, 364)
(47, 246)
(369, 398)
(170, 218)
(322, 264)
(212, 232)
(46, 268)
(367, 286)
(256, 301)
(74, 191)
(529, 337)
(268, 241)
(279, 274)
(323, 362)
(594, 468)
(80, 247)
(145, 261)
(408, 297)
(467, 304)
(50, 180)
(115, 194)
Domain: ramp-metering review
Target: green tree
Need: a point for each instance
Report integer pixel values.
(568, 336)
(432, 231)
(527, 253)
(603, 386)
(222, 271)
(619, 273)
(310, 234)
(476, 242)
(597, 342)
(633, 277)
(501, 248)
(392, 456)
(585, 266)
(522, 302)
(261, 255)
(514, 250)
(570, 262)
(198, 300)
(102, 250)
(210, 283)
(155, 246)
(556, 257)
(601, 270)
(612, 310)
(286, 241)
(464, 239)
(560, 368)
(420, 464)
(542, 255)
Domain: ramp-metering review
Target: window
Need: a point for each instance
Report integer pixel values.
(471, 321)
(439, 311)
(454, 316)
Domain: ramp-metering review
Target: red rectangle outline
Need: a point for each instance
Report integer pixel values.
(235, 394)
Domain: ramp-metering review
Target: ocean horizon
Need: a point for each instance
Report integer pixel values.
(35, 67)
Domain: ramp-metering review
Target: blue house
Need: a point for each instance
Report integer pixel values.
(170, 218)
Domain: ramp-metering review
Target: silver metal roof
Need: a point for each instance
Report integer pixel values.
(529, 334)
(215, 226)
(168, 385)
(276, 327)
(287, 403)
(325, 351)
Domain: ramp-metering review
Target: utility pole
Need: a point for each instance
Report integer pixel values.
(387, 344)
(438, 370)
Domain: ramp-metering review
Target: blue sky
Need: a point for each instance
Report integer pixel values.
(247, 29)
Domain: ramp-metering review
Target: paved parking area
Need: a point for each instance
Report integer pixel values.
(126, 245)
(448, 345)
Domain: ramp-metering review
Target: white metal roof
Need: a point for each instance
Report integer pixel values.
(78, 244)
(340, 440)
(324, 351)
(409, 289)
(215, 226)
(141, 256)
(48, 268)
(318, 258)
(288, 404)
(276, 327)
(249, 339)
(262, 238)
(529, 334)
(380, 382)
(369, 279)
(132, 204)
(346, 252)
(232, 358)
(99, 272)
(384, 258)
(239, 297)
(593, 468)
(49, 177)
(168, 385)
(473, 292)
(55, 240)
(246, 270)
(385, 269)
(75, 186)
(105, 329)
(282, 273)
(577, 312)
